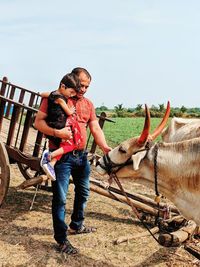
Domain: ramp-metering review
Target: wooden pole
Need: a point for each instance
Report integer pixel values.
(130, 237)
(122, 199)
(179, 236)
(101, 123)
(4, 172)
(146, 200)
(32, 182)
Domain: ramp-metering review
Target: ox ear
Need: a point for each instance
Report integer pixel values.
(137, 159)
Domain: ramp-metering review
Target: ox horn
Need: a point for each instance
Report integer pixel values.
(145, 133)
(161, 126)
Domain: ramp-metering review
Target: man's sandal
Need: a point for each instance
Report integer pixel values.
(83, 230)
(66, 247)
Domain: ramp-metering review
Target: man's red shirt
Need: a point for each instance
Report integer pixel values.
(85, 113)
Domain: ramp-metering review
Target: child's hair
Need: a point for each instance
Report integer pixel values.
(71, 80)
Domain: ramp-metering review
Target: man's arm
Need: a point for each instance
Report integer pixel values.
(45, 94)
(42, 126)
(99, 136)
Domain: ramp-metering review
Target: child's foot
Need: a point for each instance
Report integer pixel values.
(45, 158)
(46, 166)
(49, 170)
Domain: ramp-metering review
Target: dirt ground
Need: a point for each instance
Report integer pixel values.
(26, 237)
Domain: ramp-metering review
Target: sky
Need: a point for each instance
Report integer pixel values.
(137, 51)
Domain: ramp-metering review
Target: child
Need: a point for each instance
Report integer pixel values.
(60, 115)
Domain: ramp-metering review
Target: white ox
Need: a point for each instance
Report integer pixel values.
(178, 168)
(181, 129)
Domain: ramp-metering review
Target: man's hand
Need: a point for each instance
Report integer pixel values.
(64, 133)
(72, 110)
(106, 149)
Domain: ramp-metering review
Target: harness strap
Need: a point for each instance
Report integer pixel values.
(157, 198)
(155, 169)
(134, 209)
(127, 198)
(108, 165)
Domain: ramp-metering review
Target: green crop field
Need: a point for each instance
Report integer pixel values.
(125, 128)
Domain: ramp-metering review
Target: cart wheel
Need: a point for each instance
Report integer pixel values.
(4, 172)
(28, 173)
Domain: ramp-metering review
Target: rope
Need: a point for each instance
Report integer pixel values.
(138, 215)
(156, 169)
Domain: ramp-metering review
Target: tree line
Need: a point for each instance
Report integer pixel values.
(155, 111)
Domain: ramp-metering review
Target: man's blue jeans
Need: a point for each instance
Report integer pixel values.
(77, 165)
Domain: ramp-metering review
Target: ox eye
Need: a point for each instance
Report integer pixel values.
(122, 150)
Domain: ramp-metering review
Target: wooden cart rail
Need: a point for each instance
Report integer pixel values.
(17, 109)
(19, 94)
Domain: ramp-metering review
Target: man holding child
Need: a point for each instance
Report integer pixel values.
(73, 163)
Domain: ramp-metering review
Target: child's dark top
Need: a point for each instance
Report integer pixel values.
(56, 116)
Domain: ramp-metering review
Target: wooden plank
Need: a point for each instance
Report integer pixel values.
(3, 86)
(101, 123)
(8, 108)
(2, 108)
(122, 199)
(19, 87)
(17, 156)
(5, 172)
(179, 236)
(136, 236)
(27, 124)
(31, 101)
(13, 123)
(38, 143)
(18, 104)
(21, 96)
(32, 182)
(135, 196)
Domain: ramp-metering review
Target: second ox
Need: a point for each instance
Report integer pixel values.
(180, 129)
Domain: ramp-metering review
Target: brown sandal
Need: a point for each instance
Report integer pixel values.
(66, 247)
(83, 230)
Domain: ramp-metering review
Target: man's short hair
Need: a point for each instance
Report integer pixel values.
(78, 70)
